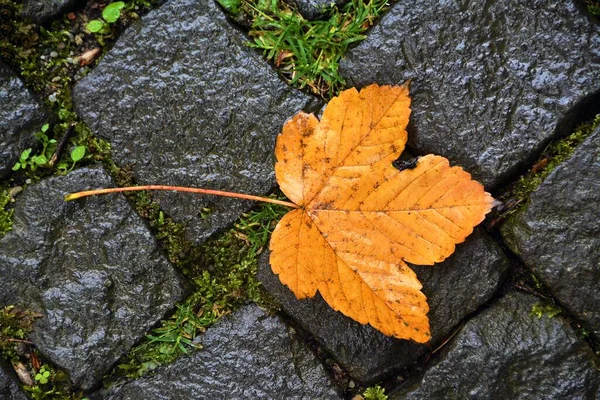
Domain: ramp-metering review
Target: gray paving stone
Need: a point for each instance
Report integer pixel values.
(558, 235)
(491, 80)
(9, 388)
(506, 353)
(20, 117)
(184, 101)
(249, 355)
(43, 10)
(91, 268)
(316, 9)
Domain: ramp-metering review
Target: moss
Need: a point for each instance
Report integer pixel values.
(593, 7)
(375, 393)
(555, 154)
(5, 212)
(548, 309)
(223, 272)
(15, 326)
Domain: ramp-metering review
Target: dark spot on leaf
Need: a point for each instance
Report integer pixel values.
(307, 131)
(402, 165)
(323, 206)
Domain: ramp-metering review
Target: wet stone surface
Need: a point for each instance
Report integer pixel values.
(90, 267)
(454, 288)
(248, 355)
(9, 388)
(558, 235)
(491, 81)
(184, 101)
(20, 117)
(42, 10)
(315, 9)
(506, 353)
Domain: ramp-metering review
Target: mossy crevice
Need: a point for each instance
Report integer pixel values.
(223, 274)
(46, 381)
(6, 211)
(516, 196)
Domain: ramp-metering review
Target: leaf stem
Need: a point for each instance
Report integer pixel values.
(78, 195)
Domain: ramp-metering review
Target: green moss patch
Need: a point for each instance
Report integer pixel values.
(555, 154)
(5, 211)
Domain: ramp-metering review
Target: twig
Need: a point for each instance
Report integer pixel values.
(61, 145)
(20, 341)
(448, 339)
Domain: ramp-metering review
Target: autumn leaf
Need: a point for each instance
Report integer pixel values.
(360, 219)
(357, 220)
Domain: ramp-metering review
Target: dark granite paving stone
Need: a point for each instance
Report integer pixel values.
(9, 388)
(249, 355)
(91, 267)
(491, 80)
(316, 9)
(184, 101)
(20, 117)
(454, 288)
(558, 235)
(42, 10)
(506, 353)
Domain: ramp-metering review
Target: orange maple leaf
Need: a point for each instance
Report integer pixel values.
(357, 220)
(360, 219)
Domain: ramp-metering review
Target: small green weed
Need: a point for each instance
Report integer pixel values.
(31, 162)
(307, 53)
(375, 393)
(52, 384)
(110, 15)
(27, 160)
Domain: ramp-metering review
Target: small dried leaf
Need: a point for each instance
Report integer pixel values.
(89, 56)
(22, 374)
